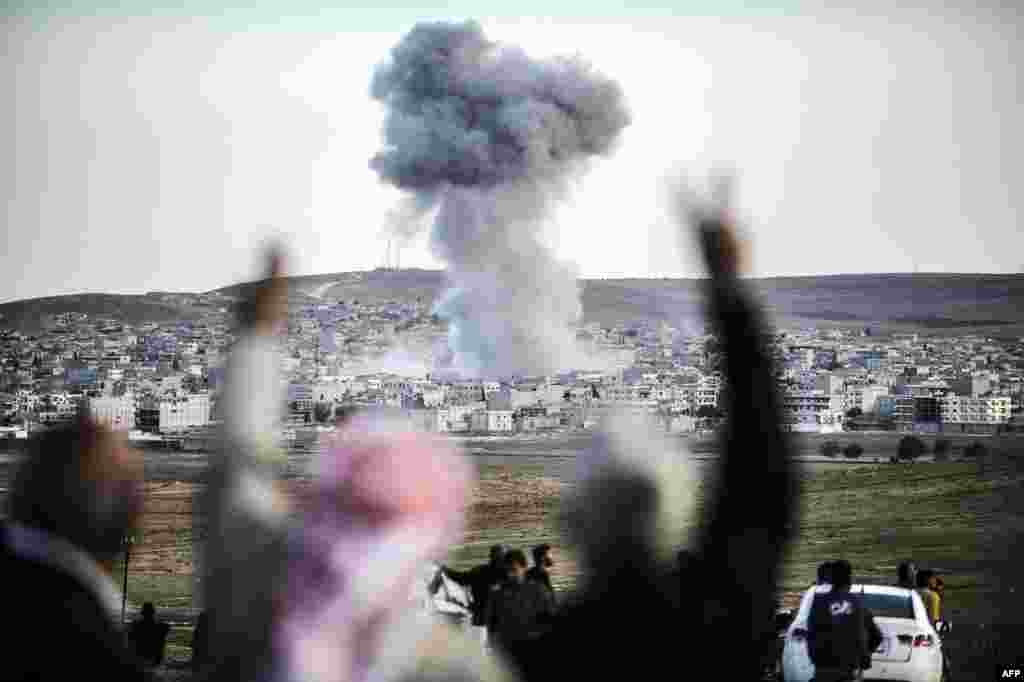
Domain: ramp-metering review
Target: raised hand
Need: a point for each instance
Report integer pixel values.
(266, 309)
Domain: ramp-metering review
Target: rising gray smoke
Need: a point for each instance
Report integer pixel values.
(491, 138)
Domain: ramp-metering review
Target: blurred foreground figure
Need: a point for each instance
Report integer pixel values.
(244, 511)
(630, 613)
(326, 591)
(385, 503)
(75, 497)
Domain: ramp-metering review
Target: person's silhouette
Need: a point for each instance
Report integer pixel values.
(200, 645)
(149, 636)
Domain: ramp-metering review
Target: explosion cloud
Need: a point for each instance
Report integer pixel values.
(490, 139)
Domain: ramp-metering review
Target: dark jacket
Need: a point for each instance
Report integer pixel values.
(519, 612)
(148, 638)
(56, 628)
(481, 581)
(620, 617)
(540, 575)
(841, 632)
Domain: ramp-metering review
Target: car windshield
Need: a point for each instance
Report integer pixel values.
(888, 605)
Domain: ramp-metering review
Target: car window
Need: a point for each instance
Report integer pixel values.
(889, 605)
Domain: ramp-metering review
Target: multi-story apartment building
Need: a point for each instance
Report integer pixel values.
(117, 413)
(965, 411)
(185, 412)
(812, 411)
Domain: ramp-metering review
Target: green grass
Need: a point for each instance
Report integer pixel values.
(942, 515)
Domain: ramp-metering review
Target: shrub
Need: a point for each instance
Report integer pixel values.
(941, 449)
(830, 448)
(853, 451)
(975, 449)
(910, 448)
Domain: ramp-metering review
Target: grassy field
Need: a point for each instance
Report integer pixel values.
(874, 515)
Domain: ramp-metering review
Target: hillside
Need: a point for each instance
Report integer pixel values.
(933, 302)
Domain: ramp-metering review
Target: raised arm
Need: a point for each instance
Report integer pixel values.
(244, 508)
(464, 578)
(751, 509)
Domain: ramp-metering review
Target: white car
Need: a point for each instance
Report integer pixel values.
(911, 650)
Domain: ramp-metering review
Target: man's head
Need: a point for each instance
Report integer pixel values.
(82, 483)
(841, 574)
(497, 555)
(148, 612)
(907, 571)
(825, 573)
(542, 556)
(924, 577)
(515, 565)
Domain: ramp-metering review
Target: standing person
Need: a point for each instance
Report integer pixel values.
(824, 580)
(907, 575)
(542, 564)
(482, 581)
(519, 613)
(149, 636)
(748, 516)
(841, 632)
(74, 498)
(929, 596)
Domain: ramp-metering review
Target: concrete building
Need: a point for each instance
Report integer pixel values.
(870, 395)
(964, 412)
(500, 421)
(185, 412)
(812, 412)
(117, 414)
(828, 383)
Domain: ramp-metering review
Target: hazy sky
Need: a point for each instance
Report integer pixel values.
(153, 150)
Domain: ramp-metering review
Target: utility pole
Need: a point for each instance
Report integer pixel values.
(124, 589)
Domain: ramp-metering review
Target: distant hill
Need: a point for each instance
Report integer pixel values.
(934, 302)
(28, 315)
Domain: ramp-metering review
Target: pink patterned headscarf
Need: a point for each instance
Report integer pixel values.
(384, 503)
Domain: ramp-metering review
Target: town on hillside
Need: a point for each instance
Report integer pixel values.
(161, 381)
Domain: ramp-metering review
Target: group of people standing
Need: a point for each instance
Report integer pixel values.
(512, 604)
(841, 631)
(928, 584)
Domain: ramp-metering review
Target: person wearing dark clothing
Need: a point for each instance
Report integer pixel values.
(825, 573)
(907, 576)
(542, 562)
(200, 643)
(519, 613)
(841, 632)
(76, 494)
(628, 595)
(149, 636)
(482, 581)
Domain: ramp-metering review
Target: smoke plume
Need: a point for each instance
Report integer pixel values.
(491, 138)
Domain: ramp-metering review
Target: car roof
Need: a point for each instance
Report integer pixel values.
(871, 589)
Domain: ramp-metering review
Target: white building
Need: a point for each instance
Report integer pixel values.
(870, 395)
(455, 418)
(960, 410)
(499, 421)
(117, 414)
(830, 384)
(812, 412)
(184, 412)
